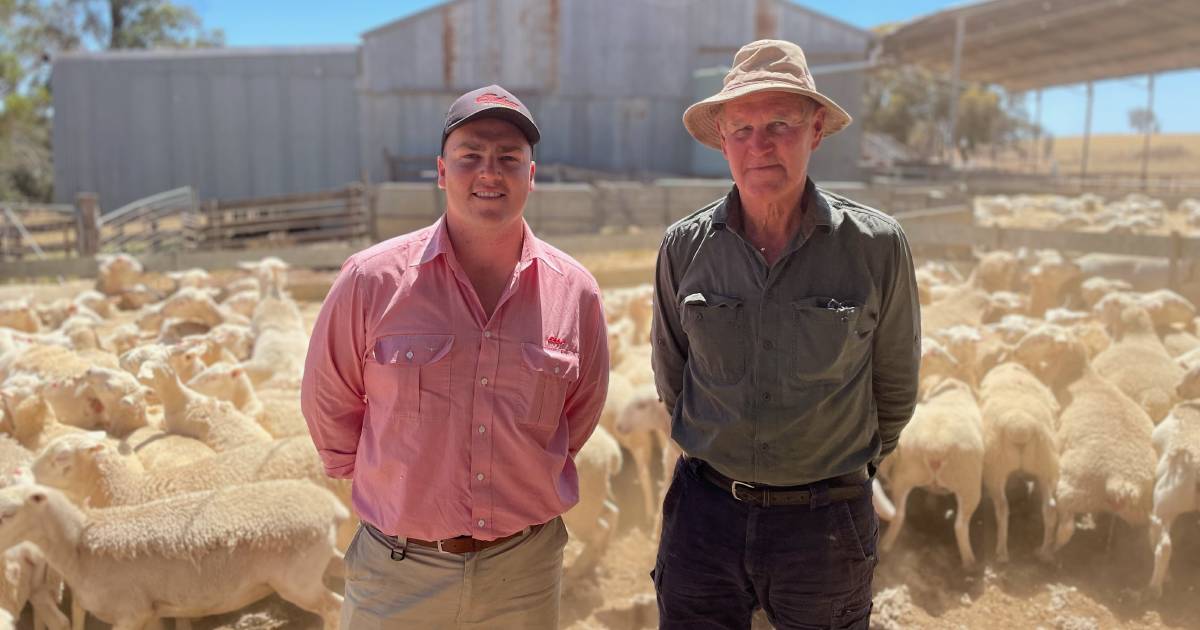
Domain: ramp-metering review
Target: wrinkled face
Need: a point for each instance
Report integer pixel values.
(768, 138)
(487, 171)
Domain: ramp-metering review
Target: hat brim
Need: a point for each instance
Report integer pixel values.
(701, 118)
(507, 114)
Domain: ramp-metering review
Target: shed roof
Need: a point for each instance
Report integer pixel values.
(1029, 44)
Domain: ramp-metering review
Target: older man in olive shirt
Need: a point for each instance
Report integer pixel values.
(786, 345)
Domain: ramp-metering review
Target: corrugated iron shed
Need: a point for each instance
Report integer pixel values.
(607, 81)
(236, 122)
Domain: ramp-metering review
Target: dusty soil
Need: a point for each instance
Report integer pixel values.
(1096, 583)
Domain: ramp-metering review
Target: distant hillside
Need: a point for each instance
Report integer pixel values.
(1170, 154)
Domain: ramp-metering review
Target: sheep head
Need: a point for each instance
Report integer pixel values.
(68, 462)
(23, 512)
(1053, 354)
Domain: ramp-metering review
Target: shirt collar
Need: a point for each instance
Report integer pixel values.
(439, 243)
(819, 212)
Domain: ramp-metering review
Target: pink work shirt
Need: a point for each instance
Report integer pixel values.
(448, 422)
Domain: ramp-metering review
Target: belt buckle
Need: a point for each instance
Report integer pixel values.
(733, 488)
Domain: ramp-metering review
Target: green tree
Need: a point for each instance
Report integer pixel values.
(912, 105)
(32, 33)
(1143, 120)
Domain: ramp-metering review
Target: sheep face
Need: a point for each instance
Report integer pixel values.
(22, 512)
(66, 462)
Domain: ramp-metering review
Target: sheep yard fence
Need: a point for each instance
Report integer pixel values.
(38, 231)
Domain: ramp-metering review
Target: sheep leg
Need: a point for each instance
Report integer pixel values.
(78, 614)
(46, 612)
(1160, 533)
(967, 500)
(1045, 553)
(314, 598)
(897, 523)
(1066, 527)
(641, 459)
(995, 488)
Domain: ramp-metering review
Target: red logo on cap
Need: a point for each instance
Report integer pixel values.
(495, 99)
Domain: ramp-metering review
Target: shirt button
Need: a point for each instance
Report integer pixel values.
(408, 355)
(557, 370)
(483, 381)
(479, 522)
(482, 429)
(766, 396)
(767, 345)
(487, 334)
(479, 477)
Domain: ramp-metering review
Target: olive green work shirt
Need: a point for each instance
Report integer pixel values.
(796, 372)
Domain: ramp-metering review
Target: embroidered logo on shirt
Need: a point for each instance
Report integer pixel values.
(555, 341)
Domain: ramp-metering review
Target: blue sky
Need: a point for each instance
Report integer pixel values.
(303, 22)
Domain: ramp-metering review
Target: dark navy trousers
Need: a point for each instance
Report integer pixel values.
(806, 566)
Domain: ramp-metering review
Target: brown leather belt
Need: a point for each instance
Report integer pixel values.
(841, 488)
(458, 544)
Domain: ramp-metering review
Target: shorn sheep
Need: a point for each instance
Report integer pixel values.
(188, 556)
(1019, 418)
(942, 449)
(1106, 456)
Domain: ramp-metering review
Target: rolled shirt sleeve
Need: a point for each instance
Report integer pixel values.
(586, 400)
(332, 394)
(897, 349)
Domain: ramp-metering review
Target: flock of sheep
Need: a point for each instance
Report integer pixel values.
(1082, 385)
(1134, 214)
(169, 450)
(152, 429)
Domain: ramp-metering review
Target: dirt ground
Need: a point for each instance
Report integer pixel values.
(1096, 583)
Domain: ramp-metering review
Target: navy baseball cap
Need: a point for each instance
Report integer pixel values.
(492, 101)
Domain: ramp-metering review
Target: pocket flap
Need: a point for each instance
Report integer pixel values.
(413, 350)
(550, 362)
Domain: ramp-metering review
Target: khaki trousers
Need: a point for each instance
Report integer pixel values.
(512, 585)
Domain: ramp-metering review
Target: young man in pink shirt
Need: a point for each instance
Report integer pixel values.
(453, 374)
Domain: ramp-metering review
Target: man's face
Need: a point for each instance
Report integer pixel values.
(487, 171)
(767, 138)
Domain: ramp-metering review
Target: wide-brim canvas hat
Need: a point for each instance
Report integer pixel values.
(767, 65)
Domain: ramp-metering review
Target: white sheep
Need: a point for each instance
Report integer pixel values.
(117, 274)
(187, 556)
(643, 426)
(1106, 458)
(1020, 415)
(1139, 365)
(28, 579)
(277, 410)
(281, 339)
(19, 315)
(941, 448)
(593, 520)
(217, 423)
(1177, 487)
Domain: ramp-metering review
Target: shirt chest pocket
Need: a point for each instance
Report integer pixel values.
(827, 338)
(550, 373)
(407, 377)
(715, 327)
